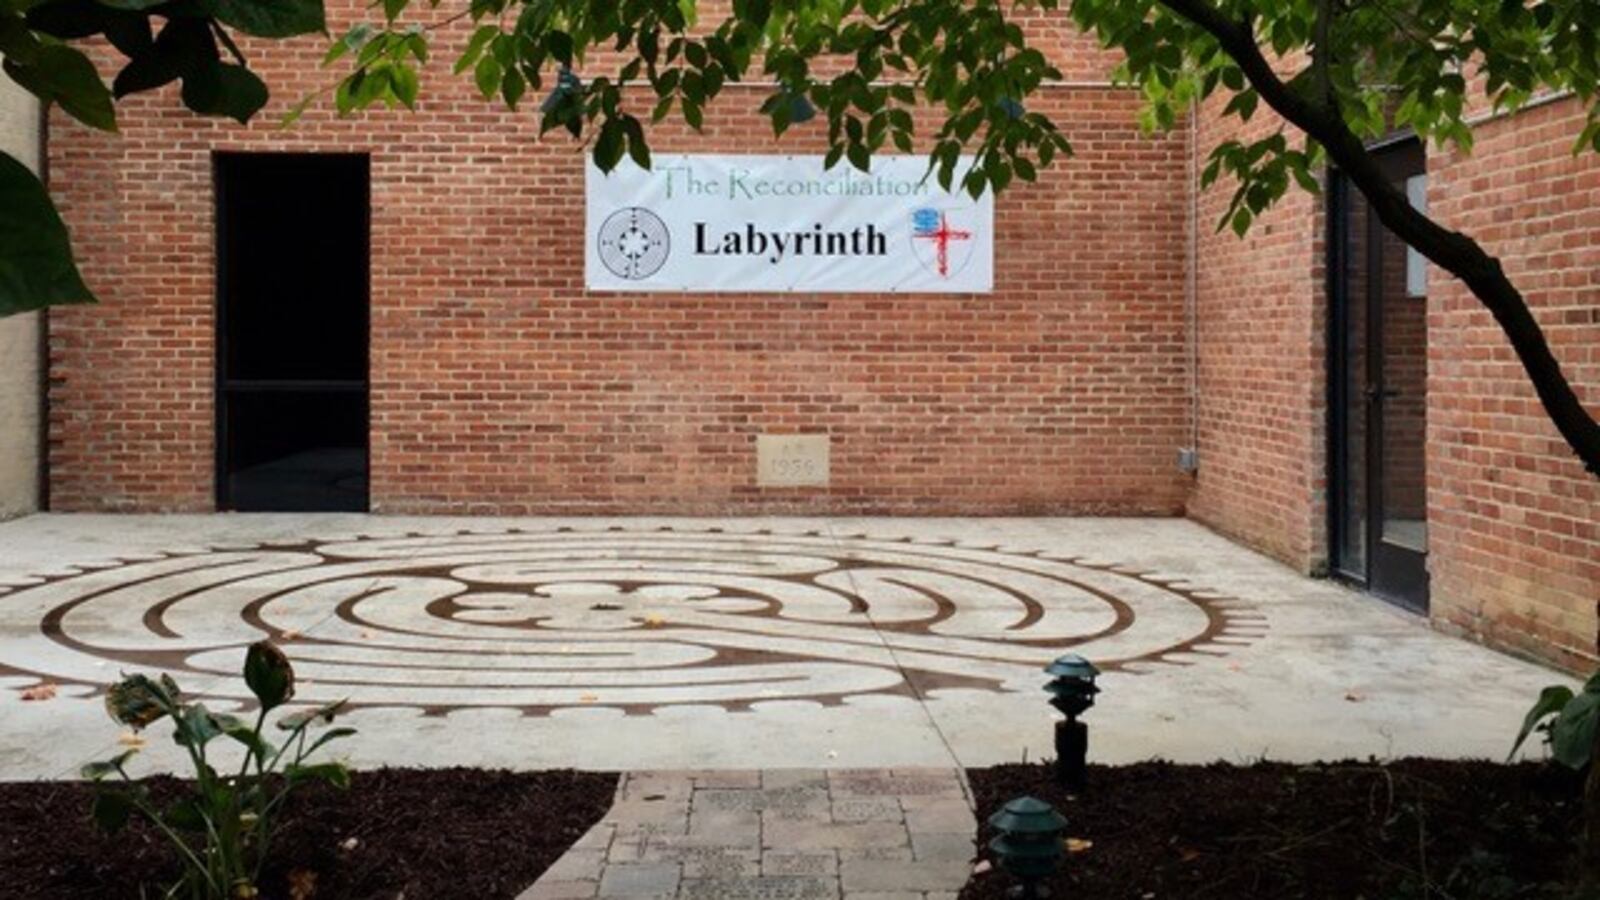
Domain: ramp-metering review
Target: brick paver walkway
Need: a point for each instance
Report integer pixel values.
(797, 834)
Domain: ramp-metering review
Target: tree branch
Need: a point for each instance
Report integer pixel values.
(1452, 251)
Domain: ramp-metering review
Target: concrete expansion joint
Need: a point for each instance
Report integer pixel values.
(799, 834)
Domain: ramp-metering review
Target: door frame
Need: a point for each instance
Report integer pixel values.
(223, 387)
(1397, 574)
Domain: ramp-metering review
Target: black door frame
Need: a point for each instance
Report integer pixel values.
(225, 387)
(1397, 574)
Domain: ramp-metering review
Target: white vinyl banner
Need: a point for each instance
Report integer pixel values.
(784, 224)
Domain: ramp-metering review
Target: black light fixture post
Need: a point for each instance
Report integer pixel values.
(1028, 845)
(1072, 692)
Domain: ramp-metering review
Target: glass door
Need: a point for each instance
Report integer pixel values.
(1378, 345)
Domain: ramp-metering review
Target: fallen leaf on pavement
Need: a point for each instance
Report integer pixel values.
(42, 691)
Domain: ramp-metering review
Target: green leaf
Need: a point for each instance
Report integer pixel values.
(185, 815)
(1551, 701)
(36, 264)
(305, 717)
(474, 48)
(95, 771)
(487, 76)
(403, 80)
(197, 727)
(638, 148)
(268, 674)
(1572, 735)
(859, 156)
(246, 735)
(225, 90)
(63, 75)
(608, 147)
(332, 734)
(111, 810)
(336, 774)
(269, 18)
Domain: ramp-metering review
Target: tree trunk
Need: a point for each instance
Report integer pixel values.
(1452, 251)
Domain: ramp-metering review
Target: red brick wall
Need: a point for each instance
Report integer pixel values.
(1260, 372)
(1515, 520)
(500, 386)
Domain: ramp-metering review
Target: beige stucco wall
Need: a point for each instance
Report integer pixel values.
(19, 338)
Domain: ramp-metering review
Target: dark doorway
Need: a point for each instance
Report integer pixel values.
(1378, 366)
(292, 246)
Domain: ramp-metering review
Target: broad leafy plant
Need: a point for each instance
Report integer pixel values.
(1567, 720)
(222, 825)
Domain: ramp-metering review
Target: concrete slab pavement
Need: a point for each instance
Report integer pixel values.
(629, 644)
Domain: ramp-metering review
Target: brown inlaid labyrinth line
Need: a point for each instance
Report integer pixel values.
(633, 619)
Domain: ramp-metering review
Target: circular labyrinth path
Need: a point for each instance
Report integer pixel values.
(626, 618)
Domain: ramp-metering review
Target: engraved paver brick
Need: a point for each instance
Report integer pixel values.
(560, 890)
(655, 785)
(875, 853)
(943, 845)
(854, 808)
(578, 865)
(945, 817)
(720, 865)
(670, 815)
(596, 838)
(719, 778)
(776, 888)
(637, 881)
(794, 778)
(723, 822)
(673, 847)
(798, 835)
(918, 875)
(799, 862)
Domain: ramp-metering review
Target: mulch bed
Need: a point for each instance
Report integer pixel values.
(434, 834)
(1416, 828)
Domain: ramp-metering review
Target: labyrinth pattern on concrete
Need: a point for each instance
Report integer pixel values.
(624, 617)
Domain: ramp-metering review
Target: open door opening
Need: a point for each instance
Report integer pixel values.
(1378, 368)
(292, 319)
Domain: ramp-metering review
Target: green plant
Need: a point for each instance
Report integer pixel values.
(1566, 720)
(222, 826)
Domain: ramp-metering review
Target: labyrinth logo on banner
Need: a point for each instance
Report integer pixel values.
(782, 224)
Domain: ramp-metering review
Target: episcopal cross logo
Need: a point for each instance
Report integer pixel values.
(941, 239)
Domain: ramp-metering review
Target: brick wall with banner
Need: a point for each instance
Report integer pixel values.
(499, 385)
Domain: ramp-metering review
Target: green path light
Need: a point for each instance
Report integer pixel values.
(1072, 691)
(1028, 845)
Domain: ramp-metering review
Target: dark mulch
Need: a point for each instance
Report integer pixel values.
(1417, 828)
(422, 834)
